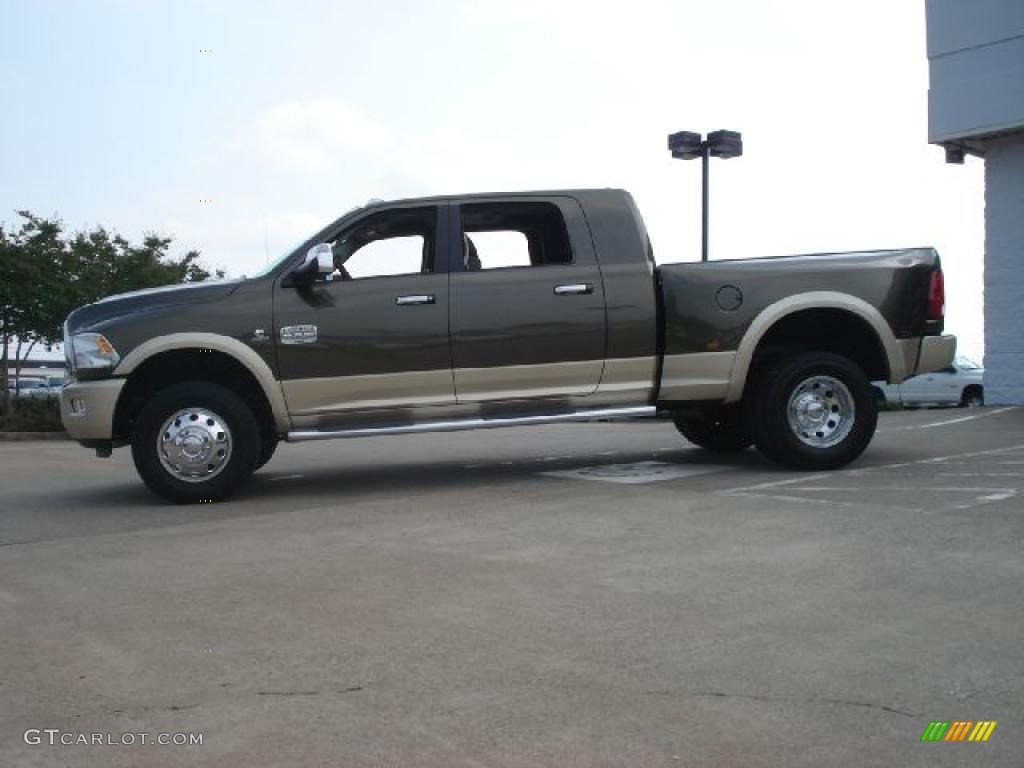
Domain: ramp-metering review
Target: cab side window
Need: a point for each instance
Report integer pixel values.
(503, 235)
(385, 244)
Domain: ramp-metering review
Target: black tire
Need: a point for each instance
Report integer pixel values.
(267, 448)
(231, 423)
(848, 418)
(719, 430)
(972, 397)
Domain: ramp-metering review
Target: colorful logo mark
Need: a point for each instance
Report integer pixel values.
(958, 730)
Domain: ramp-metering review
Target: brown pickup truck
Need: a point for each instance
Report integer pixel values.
(498, 310)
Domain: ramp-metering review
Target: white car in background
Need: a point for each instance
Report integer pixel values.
(959, 384)
(39, 387)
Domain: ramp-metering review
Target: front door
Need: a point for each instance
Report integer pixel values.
(528, 314)
(375, 333)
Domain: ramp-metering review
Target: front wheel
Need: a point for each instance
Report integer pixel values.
(195, 442)
(812, 411)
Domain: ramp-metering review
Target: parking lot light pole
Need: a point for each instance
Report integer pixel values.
(687, 145)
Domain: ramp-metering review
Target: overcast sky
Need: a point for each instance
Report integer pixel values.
(115, 115)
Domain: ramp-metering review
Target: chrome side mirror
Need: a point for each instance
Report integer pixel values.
(323, 256)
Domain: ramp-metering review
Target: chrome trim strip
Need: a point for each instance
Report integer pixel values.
(463, 424)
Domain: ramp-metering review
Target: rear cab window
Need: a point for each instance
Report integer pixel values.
(504, 235)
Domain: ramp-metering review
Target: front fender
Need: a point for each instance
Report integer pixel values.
(226, 344)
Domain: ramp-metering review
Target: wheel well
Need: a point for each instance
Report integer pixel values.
(972, 389)
(827, 330)
(180, 365)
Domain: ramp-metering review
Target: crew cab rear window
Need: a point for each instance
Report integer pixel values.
(503, 235)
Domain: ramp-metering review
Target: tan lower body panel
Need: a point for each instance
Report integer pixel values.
(354, 393)
(697, 376)
(937, 352)
(620, 380)
(909, 349)
(629, 376)
(97, 401)
(509, 382)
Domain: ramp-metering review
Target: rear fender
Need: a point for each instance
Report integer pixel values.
(900, 354)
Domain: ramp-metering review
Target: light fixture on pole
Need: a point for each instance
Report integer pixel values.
(687, 145)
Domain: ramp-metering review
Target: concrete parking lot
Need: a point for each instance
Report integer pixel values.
(582, 595)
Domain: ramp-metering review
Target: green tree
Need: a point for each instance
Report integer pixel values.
(44, 275)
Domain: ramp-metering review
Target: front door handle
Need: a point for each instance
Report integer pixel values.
(417, 298)
(573, 289)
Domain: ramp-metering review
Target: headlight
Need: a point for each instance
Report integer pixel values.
(92, 350)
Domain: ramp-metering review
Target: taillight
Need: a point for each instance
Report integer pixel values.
(937, 296)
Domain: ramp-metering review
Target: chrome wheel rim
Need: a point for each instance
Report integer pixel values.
(821, 411)
(194, 445)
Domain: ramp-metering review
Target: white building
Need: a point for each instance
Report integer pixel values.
(976, 106)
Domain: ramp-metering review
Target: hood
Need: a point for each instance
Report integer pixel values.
(121, 304)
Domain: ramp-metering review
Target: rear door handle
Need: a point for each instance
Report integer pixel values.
(416, 298)
(572, 289)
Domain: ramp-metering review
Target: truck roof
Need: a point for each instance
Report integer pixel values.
(583, 193)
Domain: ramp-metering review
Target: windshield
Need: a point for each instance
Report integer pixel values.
(278, 261)
(311, 240)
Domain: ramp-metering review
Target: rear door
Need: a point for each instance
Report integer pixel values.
(528, 311)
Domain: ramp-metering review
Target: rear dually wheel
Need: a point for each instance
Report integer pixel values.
(812, 411)
(719, 429)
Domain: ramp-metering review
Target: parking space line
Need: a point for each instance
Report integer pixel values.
(962, 419)
(972, 417)
(937, 459)
(778, 483)
(928, 489)
(781, 497)
(987, 499)
(984, 474)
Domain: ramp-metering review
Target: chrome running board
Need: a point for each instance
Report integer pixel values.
(474, 423)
